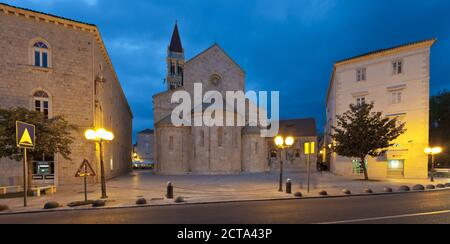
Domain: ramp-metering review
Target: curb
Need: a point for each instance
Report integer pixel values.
(292, 198)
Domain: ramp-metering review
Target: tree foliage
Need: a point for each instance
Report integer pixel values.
(360, 132)
(52, 135)
(440, 123)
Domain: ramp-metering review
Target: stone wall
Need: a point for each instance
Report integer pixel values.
(75, 56)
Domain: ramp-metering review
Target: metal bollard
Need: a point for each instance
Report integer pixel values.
(169, 194)
(289, 186)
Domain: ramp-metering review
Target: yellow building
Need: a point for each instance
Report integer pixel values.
(397, 80)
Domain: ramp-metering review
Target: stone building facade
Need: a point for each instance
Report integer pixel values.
(295, 159)
(205, 150)
(397, 80)
(145, 141)
(61, 67)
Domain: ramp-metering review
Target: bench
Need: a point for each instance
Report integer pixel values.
(4, 189)
(47, 189)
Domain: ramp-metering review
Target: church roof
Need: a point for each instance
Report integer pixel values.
(147, 131)
(216, 45)
(175, 43)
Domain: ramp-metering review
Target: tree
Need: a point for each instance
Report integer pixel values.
(440, 122)
(53, 135)
(360, 133)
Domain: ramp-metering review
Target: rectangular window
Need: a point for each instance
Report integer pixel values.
(219, 137)
(37, 106)
(256, 148)
(361, 74)
(360, 100)
(37, 58)
(171, 143)
(396, 97)
(202, 138)
(111, 164)
(45, 109)
(44, 60)
(398, 67)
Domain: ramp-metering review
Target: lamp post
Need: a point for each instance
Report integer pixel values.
(282, 143)
(433, 152)
(99, 136)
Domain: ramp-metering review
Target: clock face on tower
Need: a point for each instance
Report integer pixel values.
(215, 80)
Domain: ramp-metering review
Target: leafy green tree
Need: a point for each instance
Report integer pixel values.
(440, 123)
(53, 135)
(360, 132)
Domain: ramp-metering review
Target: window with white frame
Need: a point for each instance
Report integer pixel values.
(397, 67)
(41, 54)
(360, 100)
(41, 103)
(361, 74)
(396, 97)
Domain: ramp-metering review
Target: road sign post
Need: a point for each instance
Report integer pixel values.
(25, 139)
(85, 171)
(309, 150)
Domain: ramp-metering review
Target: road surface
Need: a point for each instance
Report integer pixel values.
(412, 208)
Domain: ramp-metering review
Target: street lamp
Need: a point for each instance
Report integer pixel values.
(282, 143)
(99, 136)
(433, 152)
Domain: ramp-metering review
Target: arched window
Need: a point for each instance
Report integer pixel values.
(41, 54)
(41, 103)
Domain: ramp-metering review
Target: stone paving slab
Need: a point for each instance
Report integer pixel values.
(125, 190)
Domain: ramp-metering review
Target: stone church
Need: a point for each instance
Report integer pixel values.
(206, 150)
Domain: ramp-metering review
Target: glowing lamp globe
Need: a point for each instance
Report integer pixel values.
(289, 141)
(279, 141)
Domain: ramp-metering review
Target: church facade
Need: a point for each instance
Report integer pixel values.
(206, 150)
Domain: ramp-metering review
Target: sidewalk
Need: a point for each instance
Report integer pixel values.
(125, 190)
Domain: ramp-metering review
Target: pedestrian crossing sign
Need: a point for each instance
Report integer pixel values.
(85, 170)
(25, 135)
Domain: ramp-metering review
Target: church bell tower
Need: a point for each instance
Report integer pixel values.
(175, 61)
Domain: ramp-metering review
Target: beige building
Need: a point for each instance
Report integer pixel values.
(295, 159)
(397, 80)
(61, 67)
(208, 150)
(144, 146)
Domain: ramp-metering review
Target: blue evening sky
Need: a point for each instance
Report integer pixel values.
(285, 45)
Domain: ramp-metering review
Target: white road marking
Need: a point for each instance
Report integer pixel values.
(386, 218)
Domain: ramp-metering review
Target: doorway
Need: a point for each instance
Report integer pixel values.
(396, 168)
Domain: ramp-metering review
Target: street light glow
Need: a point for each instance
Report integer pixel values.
(90, 135)
(279, 141)
(100, 134)
(433, 151)
(289, 141)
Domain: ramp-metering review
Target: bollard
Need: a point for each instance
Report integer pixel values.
(289, 186)
(169, 194)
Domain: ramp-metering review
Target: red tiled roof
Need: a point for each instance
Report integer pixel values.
(175, 43)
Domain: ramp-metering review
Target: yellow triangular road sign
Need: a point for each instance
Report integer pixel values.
(26, 138)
